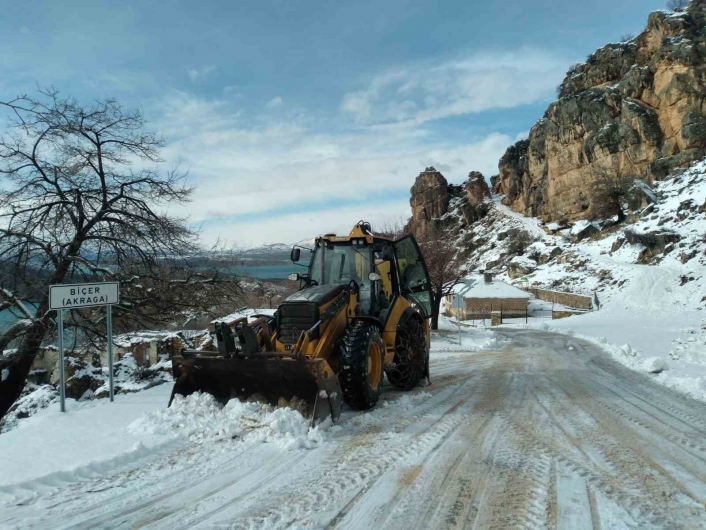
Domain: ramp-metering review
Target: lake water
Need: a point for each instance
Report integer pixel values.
(270, 272)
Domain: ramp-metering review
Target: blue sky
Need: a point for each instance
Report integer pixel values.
(298, 117)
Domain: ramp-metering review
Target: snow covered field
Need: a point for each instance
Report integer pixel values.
(521, 428)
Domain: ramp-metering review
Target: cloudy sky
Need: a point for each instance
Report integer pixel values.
(297, 117)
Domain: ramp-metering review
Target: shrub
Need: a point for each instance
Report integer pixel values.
(519, 240)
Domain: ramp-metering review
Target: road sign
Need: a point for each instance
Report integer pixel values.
(524, 280)
(77, 296)
(83, 295)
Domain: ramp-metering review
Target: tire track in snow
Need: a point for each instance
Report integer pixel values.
(636, 480)
(389, 498)
(343, 479)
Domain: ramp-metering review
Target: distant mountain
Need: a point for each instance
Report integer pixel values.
(277, 248)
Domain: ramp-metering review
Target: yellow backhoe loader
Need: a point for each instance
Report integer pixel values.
(362, 312)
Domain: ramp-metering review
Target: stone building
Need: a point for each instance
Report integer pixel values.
(482, 294)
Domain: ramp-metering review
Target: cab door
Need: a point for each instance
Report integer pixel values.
(413, 276)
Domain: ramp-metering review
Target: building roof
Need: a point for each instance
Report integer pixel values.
(476, 287)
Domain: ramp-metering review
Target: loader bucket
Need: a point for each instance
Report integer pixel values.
(272, 376)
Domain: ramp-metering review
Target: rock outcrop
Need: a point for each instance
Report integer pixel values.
(473, 207)
(430, 200)
(477, 188)
(495, 184)
(635, 109)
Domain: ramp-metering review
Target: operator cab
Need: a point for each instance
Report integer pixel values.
(380, 268)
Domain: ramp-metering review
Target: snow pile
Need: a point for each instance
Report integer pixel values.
(89, 439)
(444, 342)
(654, 365)
(202, 419)
(692, 347)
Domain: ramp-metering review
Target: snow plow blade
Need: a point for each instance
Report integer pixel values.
(266, 375)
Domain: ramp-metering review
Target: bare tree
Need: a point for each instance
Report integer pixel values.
(393, 227)
(80, 200)
(627, 37)
(446, 262)
(677, 5)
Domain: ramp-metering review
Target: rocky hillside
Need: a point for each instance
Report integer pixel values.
(633, 110)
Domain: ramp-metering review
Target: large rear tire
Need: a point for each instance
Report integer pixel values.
(361, 357)
(411, 356)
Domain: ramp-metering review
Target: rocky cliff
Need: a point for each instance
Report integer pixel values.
(432, 198)
(633, 110)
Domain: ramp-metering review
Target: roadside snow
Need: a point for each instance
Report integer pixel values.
(445, 342)
(202, 419)
(654, 365)
(90, 437)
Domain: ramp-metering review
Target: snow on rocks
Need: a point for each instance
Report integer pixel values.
(202, 419)
(520, 266)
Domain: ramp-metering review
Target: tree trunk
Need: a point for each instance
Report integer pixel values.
(15, 368)
(19, 364)
(435, 307)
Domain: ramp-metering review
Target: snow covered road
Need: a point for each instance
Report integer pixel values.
(544, 431)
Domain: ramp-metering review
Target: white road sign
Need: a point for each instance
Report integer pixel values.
(83, 295)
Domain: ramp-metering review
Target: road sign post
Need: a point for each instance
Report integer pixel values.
(62, 376)
(458, 316)
(109, 322)
(77, 296)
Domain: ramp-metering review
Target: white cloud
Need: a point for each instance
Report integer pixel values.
(198, 73)
(275, 168)
(288, 228)
(274, 102)
(424, 92)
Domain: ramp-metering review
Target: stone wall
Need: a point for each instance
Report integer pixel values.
(564, 314)
(482, 307)
(577, 301)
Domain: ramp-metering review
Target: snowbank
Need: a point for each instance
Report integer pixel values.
(89, 438)
(445, 342)
(202, 419)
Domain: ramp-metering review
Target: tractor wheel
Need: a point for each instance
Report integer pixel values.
(411, 356)
(360, 374)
